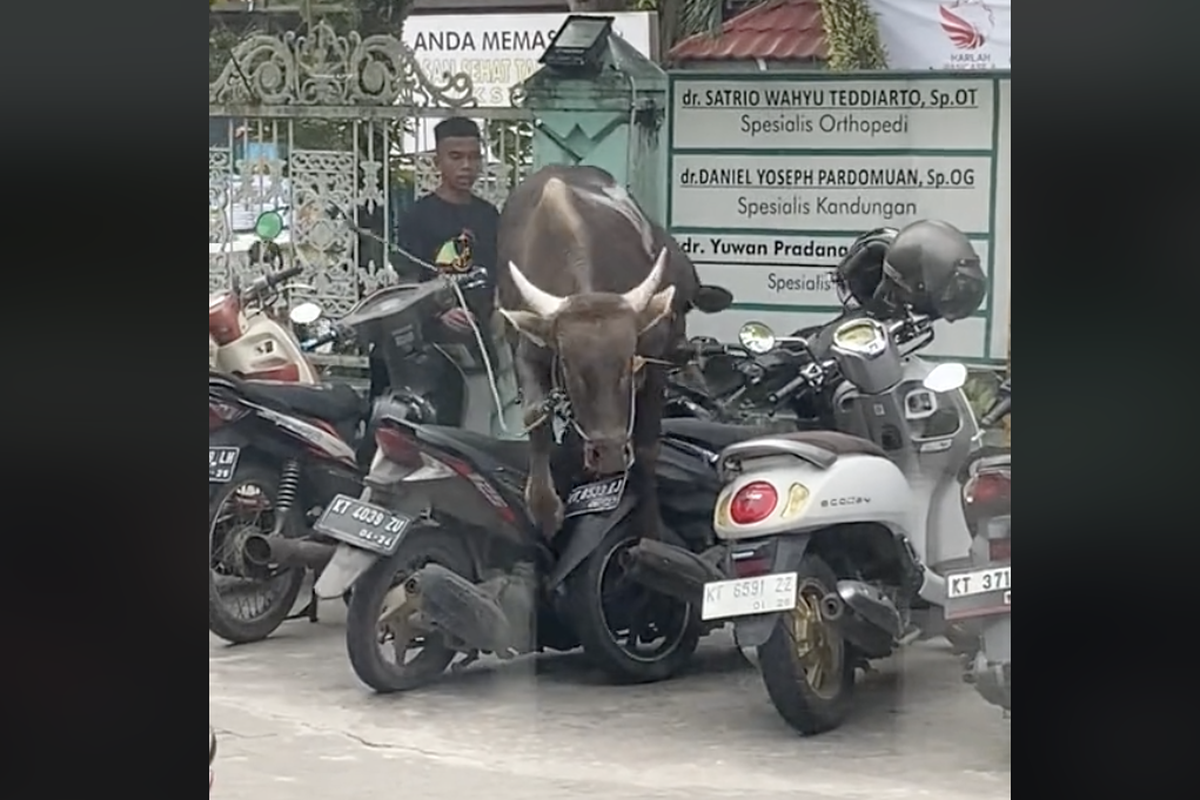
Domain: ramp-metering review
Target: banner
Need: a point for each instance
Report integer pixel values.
(500, 50)
(946, 34)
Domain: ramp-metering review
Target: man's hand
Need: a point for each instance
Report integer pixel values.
(457, 319)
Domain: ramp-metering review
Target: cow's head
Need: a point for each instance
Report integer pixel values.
(596, 337)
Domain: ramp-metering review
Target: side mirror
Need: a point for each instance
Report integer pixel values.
(946, 377)
(757, 337)
(713, 299)
(305, 314)
(268, 226)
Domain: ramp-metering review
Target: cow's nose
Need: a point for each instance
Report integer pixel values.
(591, 456)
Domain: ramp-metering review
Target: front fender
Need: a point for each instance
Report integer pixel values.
(754, 631)
(585, 535)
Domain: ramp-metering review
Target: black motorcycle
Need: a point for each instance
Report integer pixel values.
(443, 558)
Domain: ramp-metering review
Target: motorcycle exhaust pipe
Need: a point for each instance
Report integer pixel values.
(832, 607)
(262, 551)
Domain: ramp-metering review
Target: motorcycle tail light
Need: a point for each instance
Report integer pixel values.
(988, 487)
(753, 503)
(753, 561)
(222, 414)
(1000, 549)
(398, 447)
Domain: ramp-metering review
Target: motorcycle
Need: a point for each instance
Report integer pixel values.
(982, 594)
(824, 534)
(442, 557)
(246, 339)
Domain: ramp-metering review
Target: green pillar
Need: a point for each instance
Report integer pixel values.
(615, 120)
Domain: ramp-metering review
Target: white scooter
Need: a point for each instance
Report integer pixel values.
(820, 531)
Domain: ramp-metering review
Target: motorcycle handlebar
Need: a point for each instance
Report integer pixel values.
(265, 283)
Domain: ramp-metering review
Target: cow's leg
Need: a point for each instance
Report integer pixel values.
(540, 497)
(646, 431)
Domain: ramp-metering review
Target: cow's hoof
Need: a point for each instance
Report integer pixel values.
(546, 509)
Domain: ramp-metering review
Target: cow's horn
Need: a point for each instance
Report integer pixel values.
(639, 296)
(543, 304)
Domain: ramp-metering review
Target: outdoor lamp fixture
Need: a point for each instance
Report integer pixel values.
(579, 44)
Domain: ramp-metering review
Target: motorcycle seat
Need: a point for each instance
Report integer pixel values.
(512, 453)
(331, 402)
(840, 444)
(713, 435)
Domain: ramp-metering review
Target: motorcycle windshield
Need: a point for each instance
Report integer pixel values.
(396, 306)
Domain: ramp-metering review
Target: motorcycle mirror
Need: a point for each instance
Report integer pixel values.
(305, 314)
(713, 299)
(946, 377)
(757, 337)
(268, 226)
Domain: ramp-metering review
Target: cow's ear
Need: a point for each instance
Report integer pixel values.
(656, 310)
(529, 325)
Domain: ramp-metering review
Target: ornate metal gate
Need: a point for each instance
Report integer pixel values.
(328, 129)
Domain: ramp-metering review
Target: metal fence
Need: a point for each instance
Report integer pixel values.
(327, 128)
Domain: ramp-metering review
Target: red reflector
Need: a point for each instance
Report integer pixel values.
(397, 446)
(749, 567)
(988, 487)
(754, 502)
(1000, 549)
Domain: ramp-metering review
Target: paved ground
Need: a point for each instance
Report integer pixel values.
(293, 722)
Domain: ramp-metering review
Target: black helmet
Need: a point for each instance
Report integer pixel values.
(860, 271)
(932, 268)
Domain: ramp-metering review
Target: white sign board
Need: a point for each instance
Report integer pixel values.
(773, 176)
(946, 34)
(499, 51)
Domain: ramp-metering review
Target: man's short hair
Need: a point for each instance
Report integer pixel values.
(456, 128)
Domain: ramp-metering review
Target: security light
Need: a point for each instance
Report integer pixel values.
(579, 44)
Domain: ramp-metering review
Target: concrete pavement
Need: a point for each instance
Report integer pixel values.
(293, 722)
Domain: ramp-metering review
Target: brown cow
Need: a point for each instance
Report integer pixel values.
(591, 286)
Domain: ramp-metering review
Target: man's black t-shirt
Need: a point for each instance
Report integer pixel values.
(433, 229)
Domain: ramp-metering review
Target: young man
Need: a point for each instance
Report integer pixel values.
(452, 227)
(454, 230)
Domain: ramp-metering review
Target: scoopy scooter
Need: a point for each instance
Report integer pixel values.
(245, 338)
(820, 530)
(982, 593)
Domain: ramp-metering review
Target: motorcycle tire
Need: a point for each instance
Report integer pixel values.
(586, 616)
(220, 621)
(419, 547)
(801, 706)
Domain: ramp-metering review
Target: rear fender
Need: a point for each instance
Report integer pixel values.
(754, 631)
(347, 566)
(585, 535)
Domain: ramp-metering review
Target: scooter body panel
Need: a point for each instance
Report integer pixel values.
(855, 488)
(928, 435)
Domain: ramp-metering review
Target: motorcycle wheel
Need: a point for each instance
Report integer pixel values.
(365, 637)
(252, 490)
(810, 683)
(605, 607)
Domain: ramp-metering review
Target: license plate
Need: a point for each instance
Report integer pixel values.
(363, 525)
(978, 593)
(595, 498)
(742, 597)
(222, 461)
